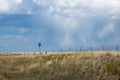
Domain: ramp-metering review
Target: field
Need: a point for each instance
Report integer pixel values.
(60, 66)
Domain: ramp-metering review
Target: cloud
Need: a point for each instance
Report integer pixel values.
(108, 29)
(106, 4)
(79, 8)
(19, 1)
(63, 22)
(72, 8)
(66, 42)
(4, 6)
(7, 6)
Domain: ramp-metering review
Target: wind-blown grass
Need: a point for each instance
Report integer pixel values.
(61, 66)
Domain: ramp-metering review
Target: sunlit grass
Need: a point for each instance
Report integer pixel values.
(60, 66)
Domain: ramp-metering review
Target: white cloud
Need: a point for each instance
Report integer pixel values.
(42, 3)
(106, 30)
(15, 7)
(7, 6)
(63, 7)
(4, 6)
(71, 23)
(87, 7)
(60, 3)
(66, 42)
(106, 4)
(19, 1)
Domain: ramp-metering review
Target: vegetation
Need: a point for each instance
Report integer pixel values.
(61, 66)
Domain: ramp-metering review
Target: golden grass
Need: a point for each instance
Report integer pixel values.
(60, 66)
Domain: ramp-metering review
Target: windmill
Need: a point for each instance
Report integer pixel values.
(39, 45)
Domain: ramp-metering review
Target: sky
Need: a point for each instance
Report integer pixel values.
(59, 24)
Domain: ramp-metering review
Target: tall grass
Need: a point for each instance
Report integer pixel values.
(61, 66)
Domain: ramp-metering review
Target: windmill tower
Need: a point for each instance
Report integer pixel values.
(39, 45)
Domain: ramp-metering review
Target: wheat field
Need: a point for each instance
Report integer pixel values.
(60, 66)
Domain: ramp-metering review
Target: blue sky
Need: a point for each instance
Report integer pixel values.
(59, 24)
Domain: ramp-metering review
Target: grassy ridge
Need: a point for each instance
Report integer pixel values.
(65, 66)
